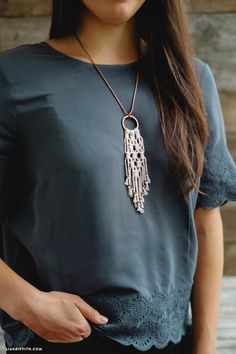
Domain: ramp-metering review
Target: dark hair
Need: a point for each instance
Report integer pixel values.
(170, 69)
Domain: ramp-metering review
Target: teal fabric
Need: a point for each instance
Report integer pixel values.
(102, 344)
(67, 221)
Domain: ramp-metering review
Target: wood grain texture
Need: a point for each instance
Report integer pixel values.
(215, 40)
(228, 212)
(211, 6)
(17, 31)
(230, 256)
(2, 346)
(228, 102)
(24, 8)
(227, 320)
(231, 138)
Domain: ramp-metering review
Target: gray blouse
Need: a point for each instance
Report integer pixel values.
(68, 223)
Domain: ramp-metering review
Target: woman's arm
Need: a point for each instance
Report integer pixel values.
(15, 293)
(55, 315)
(205, 300)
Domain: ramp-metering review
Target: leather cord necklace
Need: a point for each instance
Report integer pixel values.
(135, 163)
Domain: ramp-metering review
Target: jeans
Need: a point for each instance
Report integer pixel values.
(98, 343)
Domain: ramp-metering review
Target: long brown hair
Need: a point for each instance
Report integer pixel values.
(170, 69)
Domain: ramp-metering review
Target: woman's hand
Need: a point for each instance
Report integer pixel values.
(55, 316)
(59, 316)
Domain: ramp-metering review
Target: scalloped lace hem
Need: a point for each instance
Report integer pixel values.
(144, 321)
(135, 319)
(149, 342)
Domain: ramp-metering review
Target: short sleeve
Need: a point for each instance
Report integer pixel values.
(8, 131)
(218, 180)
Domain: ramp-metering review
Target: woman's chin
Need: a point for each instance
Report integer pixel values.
(117, 12)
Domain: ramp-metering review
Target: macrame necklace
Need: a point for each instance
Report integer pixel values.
(135, 163)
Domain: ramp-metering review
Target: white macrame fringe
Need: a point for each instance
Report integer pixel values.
(137, 178)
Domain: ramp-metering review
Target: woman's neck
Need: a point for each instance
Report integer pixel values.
(108, 43)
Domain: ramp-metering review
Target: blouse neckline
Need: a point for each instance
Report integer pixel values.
(86, 63)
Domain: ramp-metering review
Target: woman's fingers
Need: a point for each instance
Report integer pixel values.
(89, 312)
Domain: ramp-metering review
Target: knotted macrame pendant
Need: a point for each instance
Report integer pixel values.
(136, 172)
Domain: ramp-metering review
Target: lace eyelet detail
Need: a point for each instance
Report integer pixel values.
(218, 180)
(144, 320)
(135, 319)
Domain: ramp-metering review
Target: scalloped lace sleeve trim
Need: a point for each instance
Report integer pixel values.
(219, 181)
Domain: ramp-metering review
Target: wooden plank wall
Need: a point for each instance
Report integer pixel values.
(213, 24)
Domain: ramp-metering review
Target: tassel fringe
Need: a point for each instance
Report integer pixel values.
(137, 178)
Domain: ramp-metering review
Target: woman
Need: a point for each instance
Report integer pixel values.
(114, 164)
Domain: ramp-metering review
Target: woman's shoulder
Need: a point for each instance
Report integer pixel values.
(20, 59)
(13, 55)
(207, 82)
(204, 73)
(199, 66)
